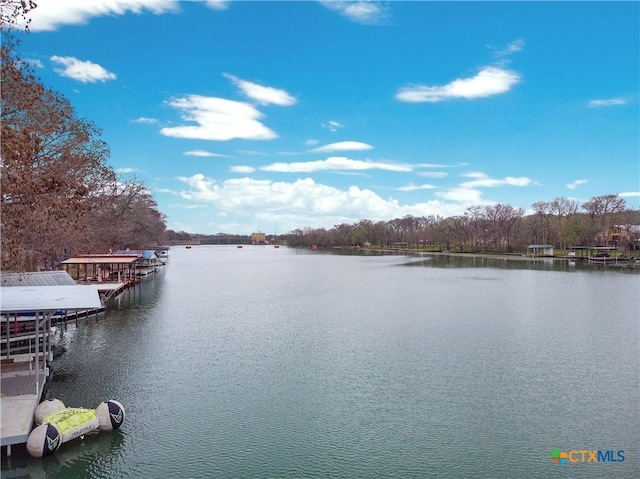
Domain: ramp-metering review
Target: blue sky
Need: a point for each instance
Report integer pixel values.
(246, 116)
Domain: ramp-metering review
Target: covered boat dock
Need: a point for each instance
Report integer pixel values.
(102, 268)
(110, 274)
(23, 376)
(589, 252)
(540, 250)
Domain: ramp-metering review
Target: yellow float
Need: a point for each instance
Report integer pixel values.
(58, 424)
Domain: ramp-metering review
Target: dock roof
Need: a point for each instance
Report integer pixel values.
(143, 253)
(103, 259)
(37, 278)
(28, 299)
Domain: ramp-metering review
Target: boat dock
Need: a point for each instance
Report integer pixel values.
(112, 273)
(20, 395)
(31, 303)
(23, 376)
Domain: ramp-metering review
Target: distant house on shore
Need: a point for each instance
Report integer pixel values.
(626, 237)
(540, 250)
(258, 238)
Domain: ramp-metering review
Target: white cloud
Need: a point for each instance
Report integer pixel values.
(332, 125)
(629, 194)
(51, 14)
(415, 187)
(302, 202)
(242, 169)
(264, 95)
(513, 47)
(364, 12)
(202, 154)
(335, 163)
(465, 195)
(483, 181)
(83, 71)
(186, 206)
(311, 142)
(432, 174)
(438, 165)
(489, 81)
(126, 170)
(574, 184)
(468, 192)
(34, 62)
(609, 102)
(218, 4)
(343, 146)
(217, 119)
(145, 120)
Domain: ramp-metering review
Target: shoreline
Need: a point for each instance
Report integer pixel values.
(509, 257)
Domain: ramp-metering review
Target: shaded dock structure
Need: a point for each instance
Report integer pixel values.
(110, 274)
(148, 260)
(26, 314)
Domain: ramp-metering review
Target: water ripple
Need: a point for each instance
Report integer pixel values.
(294, 365)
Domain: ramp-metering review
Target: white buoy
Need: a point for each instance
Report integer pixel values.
(62, 424)
(111, 415)
(49, 406)
(44, 440)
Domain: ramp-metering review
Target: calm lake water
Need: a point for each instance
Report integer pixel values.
(263, 362)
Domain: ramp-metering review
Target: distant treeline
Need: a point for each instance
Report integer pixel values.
(181, 237)
(494, 228)
(223, 238)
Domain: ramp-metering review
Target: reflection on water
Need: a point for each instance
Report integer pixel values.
(460, 260)
(262, 362)
(539, 264)
(93, 453)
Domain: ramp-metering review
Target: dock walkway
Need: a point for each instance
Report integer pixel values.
(19, 397)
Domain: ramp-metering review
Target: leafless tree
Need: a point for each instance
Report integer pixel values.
(15, 13)
(564, 211)
(503, 222)
(541, 221)
(58, 194)
(52, 162)
(602, 211)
